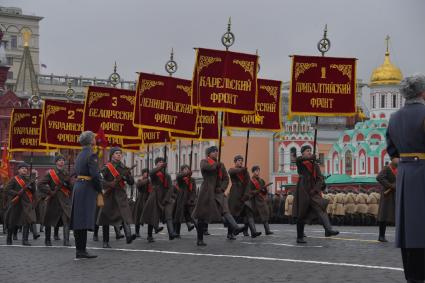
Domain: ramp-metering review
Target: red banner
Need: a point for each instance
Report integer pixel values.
(322, 86)
(207, 128)
(24, 131)
(225, 81)
(62, 124)
(268, 111)
(165, 103)
(112, 110)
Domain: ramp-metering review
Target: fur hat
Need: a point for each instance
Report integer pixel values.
(159, 159)
(23, 164)
(113, 150)
(184, 166)
(237, 157)
(59, 157)
(211, 149)
(305, 147)
(255, 168)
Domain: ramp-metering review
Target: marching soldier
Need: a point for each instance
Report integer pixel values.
(387, 179)
(240, 180)
(185, 199)
(406, 139)
(338, 207)
(212, 203)
(85, 191)
(289, 202)
(350, 206)
(308, 202)
(373, 206)
(21, 193)
(144, 188)
(257, 203)
(362, 206)
(55, 189)
(160, 201)
(116, 210)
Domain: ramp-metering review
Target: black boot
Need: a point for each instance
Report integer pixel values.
(137, 227)
(170, 227)
(190, 226)
(15, 233)
(96, 233)
(300, 233)
(118, 234)
(206, 233)
(9, 236)
(41, 228)
(267, 228)
(200, 230)
(81, 251)
(177, 227)
(382, 228)
(105, 234)
(158, 229)
(251, 224)
(127, 231)
(56, 234)
(236, 229)
(245, 230)
(66, 235)
(25, 234)
(150, 230)
(230, 235)
(35, 234)
(48, 233)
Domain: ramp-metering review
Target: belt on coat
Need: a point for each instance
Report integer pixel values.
(413, 155)
(84, 178)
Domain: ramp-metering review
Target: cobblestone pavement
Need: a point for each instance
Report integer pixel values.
(352, 256)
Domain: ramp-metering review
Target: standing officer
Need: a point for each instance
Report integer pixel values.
(386, 214)
(308, 202)
(116, 209)
(21, 193)
(86, 189)
(406, 139)
(56, 189)
(212, 204)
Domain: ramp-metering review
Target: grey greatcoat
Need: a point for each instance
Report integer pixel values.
(85, 191)
(57, 198)
(387, 202)
(257, 199)
(160, 199)
(212, 203)
(117, 208)
(143, 187)
(308, 191)
(240, 181)
(185, 199)
(406, 134)
(20, 202)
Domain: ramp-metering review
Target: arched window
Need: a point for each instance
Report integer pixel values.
(293, 153)
(383, 101)
(362, 168)
(394, 97)
(373, 101)
(281, 159)
(336, 166)
(348, 163)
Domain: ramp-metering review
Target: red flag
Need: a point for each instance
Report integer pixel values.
(101, 139)
(5, 168)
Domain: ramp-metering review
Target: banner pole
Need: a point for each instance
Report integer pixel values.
(220, 137)
(147, 158)
(179, 157)
(191, 154)
(246, 148)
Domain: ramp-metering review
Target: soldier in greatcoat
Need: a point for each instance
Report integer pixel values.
(20, 192)
(86, 189)
(339, 207)
(212, 204)
(56, 189)
(257, 199)
(406, 139)
(386, 214)
(237, 203)
(160, 202)
(185, 199)
(308, 202)
(116, 210)
(289, 202)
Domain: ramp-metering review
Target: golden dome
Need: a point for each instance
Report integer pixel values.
(387, 73)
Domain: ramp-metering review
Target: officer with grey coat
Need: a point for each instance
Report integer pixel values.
(86, 188)
(406, 139)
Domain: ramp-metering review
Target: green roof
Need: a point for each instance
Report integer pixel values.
(346, 179)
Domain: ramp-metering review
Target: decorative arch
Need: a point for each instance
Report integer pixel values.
(346, 139)
(382, 115)
(348, 162)
(360, 137)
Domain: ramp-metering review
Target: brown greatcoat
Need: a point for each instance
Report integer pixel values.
(350, 203)
(23, 211)
(212, 203)
(289, 203)
(160, 199)
(257, 199)
(308, 191)
(116, 209)
(240, 181)
(373, 204)
(142, 187)
(57, 200)
(387, 204)
(185, 199)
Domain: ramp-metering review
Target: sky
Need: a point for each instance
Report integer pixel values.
(86, 37)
